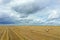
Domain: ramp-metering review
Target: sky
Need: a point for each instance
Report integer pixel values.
(30, 12)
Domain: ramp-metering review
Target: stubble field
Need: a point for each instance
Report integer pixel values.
(29, 33)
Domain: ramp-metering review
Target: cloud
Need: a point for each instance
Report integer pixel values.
(3, 2)
(31, 12)
(54, 14)
(31, 7)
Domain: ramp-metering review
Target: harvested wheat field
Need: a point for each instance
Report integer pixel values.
(29, 33)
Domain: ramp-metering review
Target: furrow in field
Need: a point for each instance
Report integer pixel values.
(38, 35)
(25, 37)
(3, 37)
(1, 33)
(14, 36)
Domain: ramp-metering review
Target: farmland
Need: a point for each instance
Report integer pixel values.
(29, 33)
